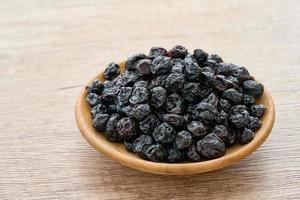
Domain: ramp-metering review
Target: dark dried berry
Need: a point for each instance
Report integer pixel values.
(241, 73)
(222, 132)
(111, 129)
(253, 88)
(206, 112)
(200, 56)
(178, 52)
(164, 133)
(126, 128)
(155, 153)
(197, 128)
(148, 124)
(158, 81)
(212, 64)
(178, 66)
(158, 96)
(174, 82)
(100, 121)
(95, 87)
(246, 136)
(224, 105)
(175, 104)
(222, 118)
(139, 95)
(248, 100)
(140, 111)
(173, 119)
(93, 99)
(144, 68)
(128, 145)
(174, 155)
(126, 110)
(212, 99)
(140, 145)
(254, 123)
(183, 140)
(157, 51)
(130, 78)
(215, 57)
(258, 110)
(124, 95)
(132, 61)
(110, 94)
(140, 84)
(191, 92)
(193, 154)
(233, 96)
(211, 146)
(98, 109)
(161, 65)
(192, 71)
(111, 71)
(239, 116)
(221, 83)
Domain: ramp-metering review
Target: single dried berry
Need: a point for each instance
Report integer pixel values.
(178, 52)
(241, 73)
(144, 68)
(148, 124)
(126, 128)
(212, 99)
(110, 94)
(139, 95)
(164, 133)
(233, 96)
(183, 140)
(155, 153)
(258, 110)
(191, 92)
(93, 99)
(124, 95)
(174, 120)
(193, 153)
(253, 88)
(254, 123)
(111, 71)
(197, 128)
(211, 146)
(126, 110)
(212, 64)
(248, 100)
(222, 132)
(98, 109)
(215, 57)
(178, 66)
(158, 96)
(140, 145)
(111, 129)
(222, 118)
(161, 65)
(158, 81)
(224, 105)
(174, 82)
(132, 61)
(157, 51)
(140, 111)
(239, 116)
(175, 104)
(206, 112)
(200, 56)
(140, 84)
(175, 155)
(192, 71)
(95, 87)
(246, 136)
(100, 121)
(129, 78)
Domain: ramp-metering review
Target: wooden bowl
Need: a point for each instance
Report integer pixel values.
(117, 152)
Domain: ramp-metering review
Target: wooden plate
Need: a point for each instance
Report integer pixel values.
(118, 153)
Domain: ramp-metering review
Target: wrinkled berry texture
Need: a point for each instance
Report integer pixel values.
(173, 106)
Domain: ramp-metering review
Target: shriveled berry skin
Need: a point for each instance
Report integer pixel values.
(183, 140)
(239, 116)
(222, 132)
(178, 52)
(164, 133)
(161, 65)
(139, 95)
(246, 136)
(128, 145)
(157, 51)
(98, 109)
(215, 57)
(158, 96)
(197, 128)
(178, 66)
(175, 104)
(253, 88)
(156, 153)
(124, 95)
(205, 112)
(111, 129)
(258, 110)
(174, 120)
(130, 77)
(93, 99)
(140, 111)
(132, 61)
(144, 68)
(248, 100)
(175, 82)
(211, 146)
(100, 121)
(241, 73)
(126, 128)
(233, 96)
(191, 92)
(200, 56)
(111, 71)
(254, 123)
(192, 71)
(158, 81)
(212, 99)
(175, 155)
(110, 94)
(223, 104)
(95, 87)
(140, 84)
(140, 145)
(221, 83)
(148, 124)
(193, 154)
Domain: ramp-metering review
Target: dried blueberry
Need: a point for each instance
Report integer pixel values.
(215, 57)
(174, 82)
(178, 52)
(175, 155)
(111, 71)
(139, 95)
(155, 153)
(248, 100)
(246, 136)
(124, 95)
(222, 132)
(258, 110)
(144, 68)
(183, 140)
(157, 51)
(224, 105)
(148, 124)
(193, 153)
(140, 111)
(191, 92)
(212, 99)
(100, 121)
(173, 119)
(197, 128)
(164, 133)
(175, 104)
(233, 96)
(158, 96)
(126, 128)
(132, 61)
(161, 65)
(239, 116)
(254, 123)
(95, 87)
(205, 112)
(192, 71)
(158, 81)
(93, 99)
(111, 129)
(211, 146)
(200, 56)
(140, 145)
(178, 66)
(98, 109)
(253, 88)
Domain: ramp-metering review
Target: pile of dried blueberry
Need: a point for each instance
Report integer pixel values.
(171, 106)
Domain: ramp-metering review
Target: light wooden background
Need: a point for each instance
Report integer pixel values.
(49, 49)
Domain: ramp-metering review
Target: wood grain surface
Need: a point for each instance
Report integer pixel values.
(49, 49)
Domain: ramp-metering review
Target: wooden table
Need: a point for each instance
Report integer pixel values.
(49, 49)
